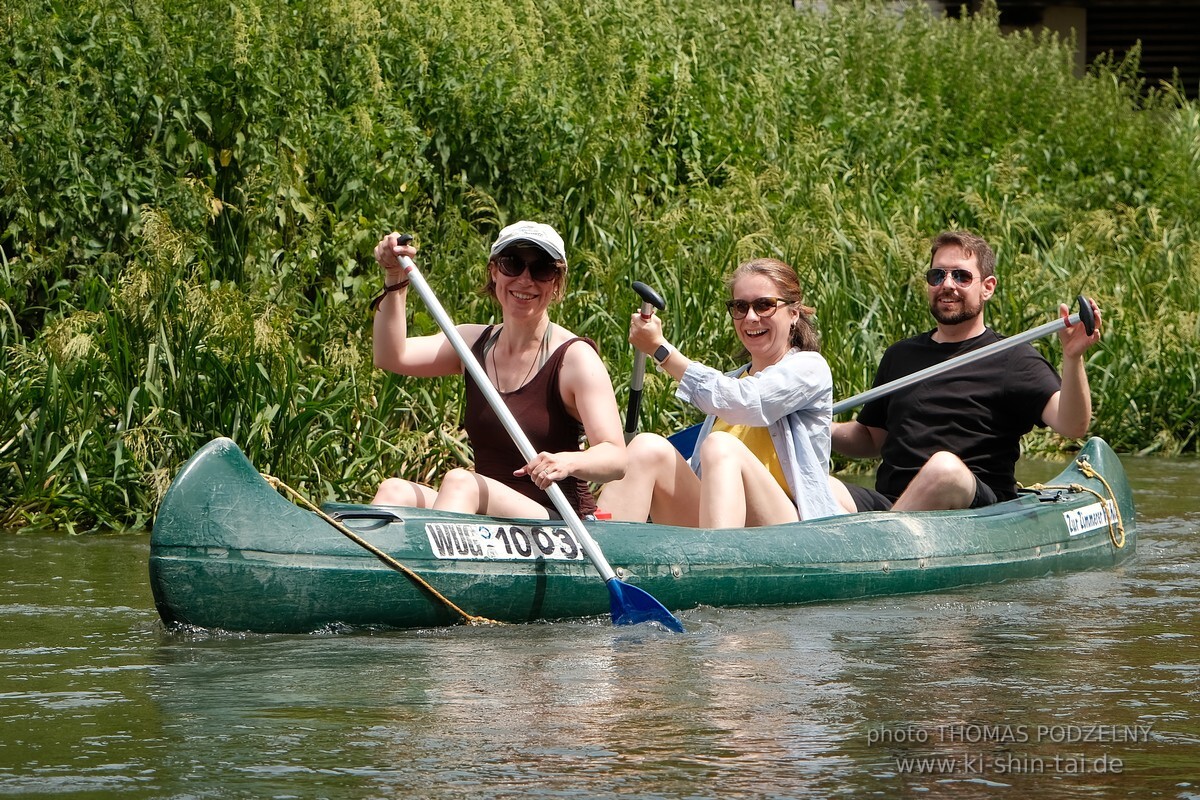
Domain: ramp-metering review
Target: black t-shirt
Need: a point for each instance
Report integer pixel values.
(978, 411)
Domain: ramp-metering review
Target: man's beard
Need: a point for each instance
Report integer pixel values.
(965, 313)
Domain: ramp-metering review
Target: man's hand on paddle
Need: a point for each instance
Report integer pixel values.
(1075, 339)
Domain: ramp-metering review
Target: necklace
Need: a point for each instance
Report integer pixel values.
(539, 360)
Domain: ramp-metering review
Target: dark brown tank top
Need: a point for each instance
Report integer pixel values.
(539, 409)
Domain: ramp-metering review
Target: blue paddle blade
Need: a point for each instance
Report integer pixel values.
(631, 605)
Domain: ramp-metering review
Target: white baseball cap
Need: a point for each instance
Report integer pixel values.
(535, 233)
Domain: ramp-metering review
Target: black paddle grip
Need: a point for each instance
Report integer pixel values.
(404, 239)
(650, 296)
(1086, 316)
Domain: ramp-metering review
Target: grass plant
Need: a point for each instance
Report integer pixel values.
(192, 190)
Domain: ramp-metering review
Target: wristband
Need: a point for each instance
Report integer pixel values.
(395, 287)
(662, 353)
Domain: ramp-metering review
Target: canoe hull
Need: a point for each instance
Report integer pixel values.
(230, 552)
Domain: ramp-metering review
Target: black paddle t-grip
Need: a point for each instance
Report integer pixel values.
(404, 239)
(1086, 316)
(649, 296)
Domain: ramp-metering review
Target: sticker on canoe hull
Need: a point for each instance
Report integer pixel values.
(1089, 518)
(502, 542)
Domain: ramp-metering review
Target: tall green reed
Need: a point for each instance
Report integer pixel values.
(192, 193)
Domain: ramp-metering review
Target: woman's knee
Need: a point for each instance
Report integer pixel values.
(396, 492)
(460, 480)
(649, 449)
(718, 446)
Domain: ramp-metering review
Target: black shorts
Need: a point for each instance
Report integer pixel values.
(867, 499)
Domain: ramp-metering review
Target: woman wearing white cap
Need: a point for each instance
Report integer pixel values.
(553, 382)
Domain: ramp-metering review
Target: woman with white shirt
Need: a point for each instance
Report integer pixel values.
(762, 455)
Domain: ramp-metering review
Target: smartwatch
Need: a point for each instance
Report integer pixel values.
(663, 353)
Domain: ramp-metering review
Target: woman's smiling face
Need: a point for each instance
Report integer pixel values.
(523, 292)
(766, 338)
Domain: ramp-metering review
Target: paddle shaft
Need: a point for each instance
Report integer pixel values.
(650, 300)
(966, 358)
(590, 548)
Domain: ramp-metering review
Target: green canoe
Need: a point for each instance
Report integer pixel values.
(229, 551)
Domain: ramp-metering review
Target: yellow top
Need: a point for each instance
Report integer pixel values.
(758, 441)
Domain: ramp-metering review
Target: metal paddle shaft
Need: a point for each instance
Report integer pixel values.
(1085, 316)
(628, 603)
(650, 301)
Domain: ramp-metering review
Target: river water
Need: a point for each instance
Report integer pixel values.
(1086, 685)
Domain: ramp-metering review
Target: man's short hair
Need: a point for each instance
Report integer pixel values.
(970, 244)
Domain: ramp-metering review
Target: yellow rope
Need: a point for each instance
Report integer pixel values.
(470, 619)
(1117, 533)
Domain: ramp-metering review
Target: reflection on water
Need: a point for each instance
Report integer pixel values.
(1077, 686)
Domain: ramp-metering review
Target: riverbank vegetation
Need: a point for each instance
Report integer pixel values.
(192, 190)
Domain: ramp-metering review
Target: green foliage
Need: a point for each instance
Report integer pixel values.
(191, 192)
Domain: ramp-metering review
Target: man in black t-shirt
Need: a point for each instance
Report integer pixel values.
(952, 440)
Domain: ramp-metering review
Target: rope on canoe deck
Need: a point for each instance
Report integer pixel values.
(421, 583)
(1115, 532)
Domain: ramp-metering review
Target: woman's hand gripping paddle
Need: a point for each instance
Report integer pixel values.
(650, 301)
(629, 604)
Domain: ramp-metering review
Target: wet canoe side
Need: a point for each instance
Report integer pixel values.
(230, 552)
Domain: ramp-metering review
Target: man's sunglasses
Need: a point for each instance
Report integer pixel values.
(541, 267)
(763, 306)
(963, 277)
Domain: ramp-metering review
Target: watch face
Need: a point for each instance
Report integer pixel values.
(660, 355)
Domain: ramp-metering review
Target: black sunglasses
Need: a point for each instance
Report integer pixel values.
(541, 267)
(963, 277)
(763, 306)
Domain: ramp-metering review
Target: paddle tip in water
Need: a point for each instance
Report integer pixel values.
(632, 606)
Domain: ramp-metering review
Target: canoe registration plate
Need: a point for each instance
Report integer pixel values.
(502, 542)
